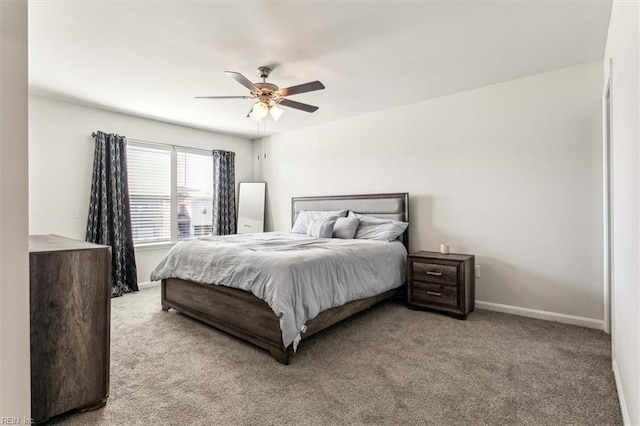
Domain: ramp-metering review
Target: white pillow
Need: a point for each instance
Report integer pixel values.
(373, 228)
(305, 217)
(322, 228)
(346, 227)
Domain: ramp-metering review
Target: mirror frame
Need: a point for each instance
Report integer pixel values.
(248, 225)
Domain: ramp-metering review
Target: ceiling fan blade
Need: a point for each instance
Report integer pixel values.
(223, 97)
(242, 80)
(297, 105)
(301, 88)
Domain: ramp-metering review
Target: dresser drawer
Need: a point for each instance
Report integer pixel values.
(435, 272)
(441, 294)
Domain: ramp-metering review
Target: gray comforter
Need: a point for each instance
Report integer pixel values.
(298, 276)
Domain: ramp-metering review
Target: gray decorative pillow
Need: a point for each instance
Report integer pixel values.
(346, 227)
(373, 228)
(305, 217)
(322, 228)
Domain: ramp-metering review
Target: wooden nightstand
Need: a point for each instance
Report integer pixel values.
(443, 282)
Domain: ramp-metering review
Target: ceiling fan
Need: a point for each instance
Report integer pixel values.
(269, 95)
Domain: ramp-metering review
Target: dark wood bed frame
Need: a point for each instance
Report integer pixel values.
(243, 315)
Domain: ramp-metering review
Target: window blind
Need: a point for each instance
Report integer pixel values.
(195, 193)
(149, 170)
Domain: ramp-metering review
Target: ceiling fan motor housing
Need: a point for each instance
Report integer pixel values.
(267, 88)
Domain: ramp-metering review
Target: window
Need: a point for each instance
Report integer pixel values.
(170, 192)
(195, 194)
(149, 173)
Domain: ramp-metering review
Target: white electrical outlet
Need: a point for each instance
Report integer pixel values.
(477, 271)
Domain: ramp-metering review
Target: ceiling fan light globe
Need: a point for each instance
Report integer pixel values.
(259, 110)
(276, 112)
(253, 116)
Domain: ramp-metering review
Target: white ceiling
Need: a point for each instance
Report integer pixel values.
(151, 58)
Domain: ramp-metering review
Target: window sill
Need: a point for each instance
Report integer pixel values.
(153, 246)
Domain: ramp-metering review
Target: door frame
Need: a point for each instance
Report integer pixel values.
(607, 198)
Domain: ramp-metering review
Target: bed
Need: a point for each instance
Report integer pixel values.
(241, 313)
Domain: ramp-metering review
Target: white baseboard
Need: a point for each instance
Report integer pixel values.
(544, 315)
(148, 284)
(623, 404)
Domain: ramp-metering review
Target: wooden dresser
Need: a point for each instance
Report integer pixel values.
(443, 282)
(70, 285)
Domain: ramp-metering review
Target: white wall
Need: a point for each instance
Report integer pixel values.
(15, 372)
(623, 45)
(61, 160)
(509, 172)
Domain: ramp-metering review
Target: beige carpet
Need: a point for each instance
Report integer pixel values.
(388, 365)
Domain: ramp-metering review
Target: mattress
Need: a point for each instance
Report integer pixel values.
(298, 276)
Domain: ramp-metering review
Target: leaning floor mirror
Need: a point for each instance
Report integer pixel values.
(251, 207)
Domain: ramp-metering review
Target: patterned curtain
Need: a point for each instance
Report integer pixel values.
(109, 220)
(224, 193)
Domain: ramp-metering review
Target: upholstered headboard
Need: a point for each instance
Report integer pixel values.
(388, 206)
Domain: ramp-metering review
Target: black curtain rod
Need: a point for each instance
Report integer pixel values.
(189, 148)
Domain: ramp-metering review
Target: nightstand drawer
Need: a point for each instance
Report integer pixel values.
(441, 294)
(435, 272)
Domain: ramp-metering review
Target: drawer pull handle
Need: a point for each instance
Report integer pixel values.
(433, 293)
(437, 274)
